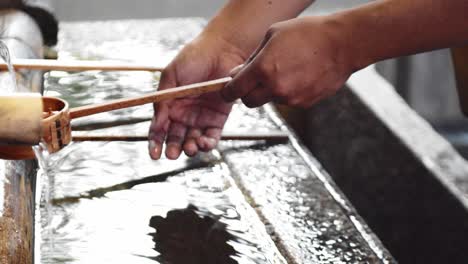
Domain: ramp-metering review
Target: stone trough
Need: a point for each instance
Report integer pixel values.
(406, 181)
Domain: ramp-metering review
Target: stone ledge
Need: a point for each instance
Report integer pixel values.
(407, 182)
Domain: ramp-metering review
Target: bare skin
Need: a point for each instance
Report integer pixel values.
(299, 61)
(195, 124)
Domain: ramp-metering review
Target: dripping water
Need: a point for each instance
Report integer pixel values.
(43, 193)
(43, 196)
(5, 55)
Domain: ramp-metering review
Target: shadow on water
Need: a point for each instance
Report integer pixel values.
(101, 192)
(187, 236)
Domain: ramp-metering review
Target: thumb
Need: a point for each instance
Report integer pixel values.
(264, 42)
(236, 70)
(244, 79)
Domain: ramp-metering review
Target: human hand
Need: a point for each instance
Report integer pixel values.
(193, 124)
(299, 62)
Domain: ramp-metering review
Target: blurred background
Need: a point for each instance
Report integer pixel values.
(425, 81)
(70, 10)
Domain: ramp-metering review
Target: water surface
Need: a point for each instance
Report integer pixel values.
(107, 202)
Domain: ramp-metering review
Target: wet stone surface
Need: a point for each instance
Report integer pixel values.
(307, 219)
(248, 202)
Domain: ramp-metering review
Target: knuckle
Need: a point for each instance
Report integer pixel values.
(302, 104)
(293, 102)
(278, 93)
(271, 31)
(264, 69)
(276, 27)
(229, 93)
(249, 102)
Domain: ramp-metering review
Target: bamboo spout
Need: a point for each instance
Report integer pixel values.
(79, 65)
(20, 119)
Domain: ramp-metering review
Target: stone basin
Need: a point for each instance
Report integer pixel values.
(106, 201)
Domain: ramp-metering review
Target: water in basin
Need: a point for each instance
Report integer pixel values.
(107, 202)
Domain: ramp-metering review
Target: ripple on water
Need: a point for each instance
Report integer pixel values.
(159, 222)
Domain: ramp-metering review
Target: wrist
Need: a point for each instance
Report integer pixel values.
(351, 44)
(230, 36)
(219, 46)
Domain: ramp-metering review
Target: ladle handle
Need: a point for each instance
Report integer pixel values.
(78, 65)
(181, 91)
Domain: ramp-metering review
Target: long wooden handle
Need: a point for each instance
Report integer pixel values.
(181, 91)
(78, 65)
(246, 135)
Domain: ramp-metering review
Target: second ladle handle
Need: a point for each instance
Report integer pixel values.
(178, 92)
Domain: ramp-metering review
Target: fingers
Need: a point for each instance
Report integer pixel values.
(190, 145)
(185, 124)
(209, 139)
(253, 84)
(240, 86)
(160, 122)
(236, 70)
(257, 97)
(264, 42)
(245, 75)
(196, 141)
(175, 138)
(158, 130)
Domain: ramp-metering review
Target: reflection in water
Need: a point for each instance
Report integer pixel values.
(185, 237)
(101, 204)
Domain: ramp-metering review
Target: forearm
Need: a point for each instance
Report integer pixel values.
(391, 28)
(243, 23)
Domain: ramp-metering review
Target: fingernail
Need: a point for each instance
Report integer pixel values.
(207, 143)
(172, 151)
(211, 142)
(154, 150)
(190, 150)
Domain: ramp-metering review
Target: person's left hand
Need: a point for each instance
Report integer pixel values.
(299, 62)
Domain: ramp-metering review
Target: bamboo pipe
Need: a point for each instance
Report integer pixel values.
(20, 119)
(78, 65)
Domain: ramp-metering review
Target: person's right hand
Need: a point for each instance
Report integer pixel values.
(193, 124)
(298, 63)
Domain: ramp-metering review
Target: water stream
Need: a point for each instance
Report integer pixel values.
(5, 55)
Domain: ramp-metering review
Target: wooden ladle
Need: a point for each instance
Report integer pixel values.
(56, 129)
